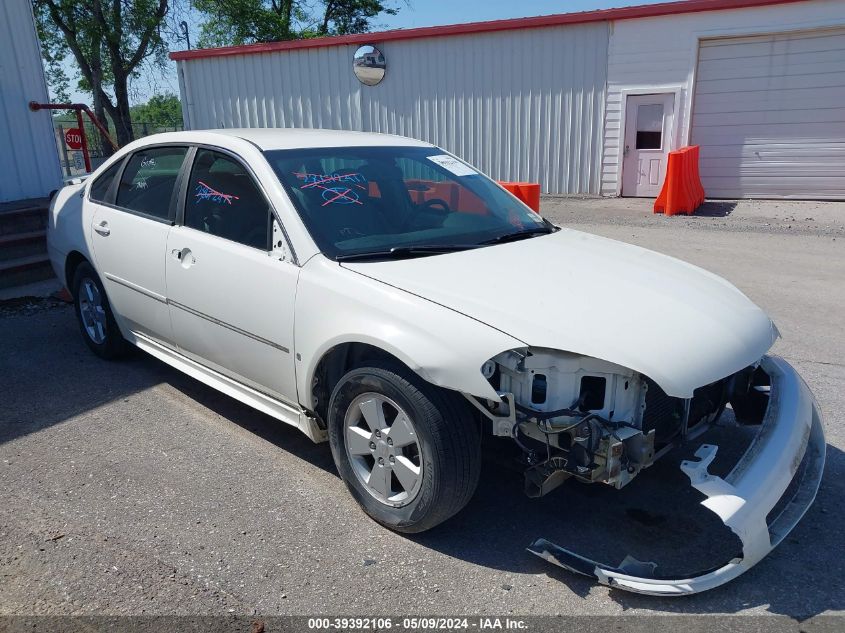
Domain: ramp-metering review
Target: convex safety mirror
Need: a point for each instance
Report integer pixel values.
(369, 65)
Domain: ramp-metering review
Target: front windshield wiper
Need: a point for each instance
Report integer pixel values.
(405, 252)
(521, 235)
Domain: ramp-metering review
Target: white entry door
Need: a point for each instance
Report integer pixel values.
(648, 126)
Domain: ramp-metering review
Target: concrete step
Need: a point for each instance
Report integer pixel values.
(17, 245)
(38, 290)
(25, 270)
(15, 205)
(23, 220)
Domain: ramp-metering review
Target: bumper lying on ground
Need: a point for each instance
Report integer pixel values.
(760, 500)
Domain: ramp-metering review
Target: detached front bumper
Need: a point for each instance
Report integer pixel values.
(760, 500)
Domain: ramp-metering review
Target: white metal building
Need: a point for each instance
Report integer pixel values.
(584, 103)
(29, 161)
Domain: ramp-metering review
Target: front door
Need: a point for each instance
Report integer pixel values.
(231, 296)
(648, 126)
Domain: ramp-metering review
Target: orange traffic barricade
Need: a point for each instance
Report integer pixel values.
(682, 191)
(528, 192)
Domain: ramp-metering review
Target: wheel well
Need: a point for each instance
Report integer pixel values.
(73, 260)
(332, 367)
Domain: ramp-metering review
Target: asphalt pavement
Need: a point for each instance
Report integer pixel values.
(129, 488)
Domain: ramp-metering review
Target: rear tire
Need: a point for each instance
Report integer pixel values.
(96, 320)
(429, 472)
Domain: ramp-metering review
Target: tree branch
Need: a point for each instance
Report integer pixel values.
(70, 37)
(106, 33)
(145, 38)
(327, 16)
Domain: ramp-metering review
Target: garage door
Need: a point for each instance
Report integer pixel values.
(769, 114)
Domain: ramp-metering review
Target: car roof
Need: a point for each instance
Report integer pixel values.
(287, 138)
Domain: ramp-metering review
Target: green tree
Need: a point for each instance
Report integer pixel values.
(160, 111)
(341, 17)
(108, 39)
(233, 22)
(55, 50)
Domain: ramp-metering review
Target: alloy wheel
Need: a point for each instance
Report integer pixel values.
(383, 449)
(92, 311)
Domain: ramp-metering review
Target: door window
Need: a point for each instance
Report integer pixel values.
(223, 200)
(650, 126)
(148, 181)
(101, 186)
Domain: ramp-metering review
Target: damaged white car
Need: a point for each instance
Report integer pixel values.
(378, 292)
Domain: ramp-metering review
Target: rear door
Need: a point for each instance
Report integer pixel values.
(130, 227)
(231, 293)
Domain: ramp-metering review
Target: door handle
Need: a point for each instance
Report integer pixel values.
(185, 256)
(103, 228)
(625, 153)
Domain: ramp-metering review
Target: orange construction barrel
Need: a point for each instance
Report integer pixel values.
(682, 191)
(528, 192)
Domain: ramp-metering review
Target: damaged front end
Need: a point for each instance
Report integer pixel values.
(579, 417)
(576, 416)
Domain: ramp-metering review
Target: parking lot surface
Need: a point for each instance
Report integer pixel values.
(129, 488)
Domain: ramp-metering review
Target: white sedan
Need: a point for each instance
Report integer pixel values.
(380, 293)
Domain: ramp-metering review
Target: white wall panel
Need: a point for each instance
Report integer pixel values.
(520, 105)
(661, 53)
(29, 161)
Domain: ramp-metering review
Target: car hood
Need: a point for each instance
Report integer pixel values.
(676, 323)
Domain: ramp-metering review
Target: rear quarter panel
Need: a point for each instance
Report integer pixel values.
(68, 228)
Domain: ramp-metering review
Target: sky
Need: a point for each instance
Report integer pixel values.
(437, 12)
(412, 14)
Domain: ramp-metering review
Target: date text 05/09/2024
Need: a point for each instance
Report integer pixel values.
(418, 623)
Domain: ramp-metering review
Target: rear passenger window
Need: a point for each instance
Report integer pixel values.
(100, 187)
(224, 200)
(149, 179)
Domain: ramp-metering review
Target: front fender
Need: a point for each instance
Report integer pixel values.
(335, 305)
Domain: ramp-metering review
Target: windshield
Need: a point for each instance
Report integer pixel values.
(361, 201)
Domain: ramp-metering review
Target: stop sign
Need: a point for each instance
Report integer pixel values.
(73, 138)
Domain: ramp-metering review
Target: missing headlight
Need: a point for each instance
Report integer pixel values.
(591, 395)
(539, 389)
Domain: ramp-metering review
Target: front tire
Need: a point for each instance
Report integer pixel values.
(96, 320)
(409, 452)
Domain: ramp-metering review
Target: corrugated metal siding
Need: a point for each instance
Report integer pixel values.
(29, 161)
(769, 114)
(520, 105)
(297, 89)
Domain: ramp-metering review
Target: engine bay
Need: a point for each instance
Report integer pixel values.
(577, 416)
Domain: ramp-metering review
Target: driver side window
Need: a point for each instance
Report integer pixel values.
(223, 200)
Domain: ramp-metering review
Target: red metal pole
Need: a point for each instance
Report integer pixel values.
(77, 107)
(81, 126)
(99, 126)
